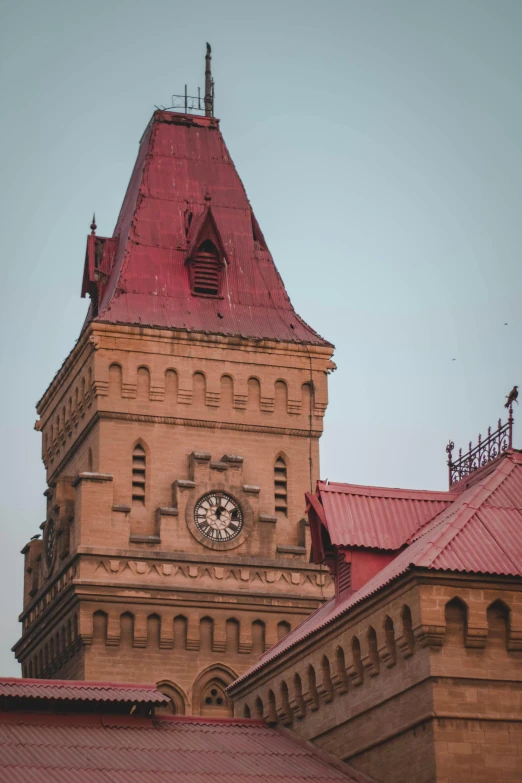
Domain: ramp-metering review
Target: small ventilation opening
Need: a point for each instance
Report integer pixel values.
(280, 486)
(259, 241)
(138, 475)
(344, 575)
(206, 270)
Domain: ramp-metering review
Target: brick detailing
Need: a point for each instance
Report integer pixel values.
(401, 693)
(137, 425)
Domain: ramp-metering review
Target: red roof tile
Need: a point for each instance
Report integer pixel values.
(479, 532)
(21, 689)
(377, 517)
(183, 170)
(91, 749)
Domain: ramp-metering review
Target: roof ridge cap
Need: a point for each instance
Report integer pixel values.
(467, 510)
(438, 493)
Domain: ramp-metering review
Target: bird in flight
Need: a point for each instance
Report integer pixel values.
(511, 397)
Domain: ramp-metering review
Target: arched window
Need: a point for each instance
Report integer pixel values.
(206, 634)
(258, 637)
(455, 614)
(232, 636)
(283, 628)
(205, 270)
(258, 708)
(177, 704)
(153, 631)
(180, 632)
(389, 634)
(358, 675)
(280, 486)
(498, 617)
(408, 641)
(371, 638)
(327, 688)
(138, 474)
(99, 627)
(272, 710)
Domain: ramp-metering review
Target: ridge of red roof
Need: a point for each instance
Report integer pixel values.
(184, 172)
(480, 532)
(20, 688)
(377, 517)
(94, 748)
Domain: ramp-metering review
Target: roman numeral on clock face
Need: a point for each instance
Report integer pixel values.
(218, 516)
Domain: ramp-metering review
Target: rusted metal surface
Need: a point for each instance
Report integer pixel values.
(183, 171)
(91, 749)
(478, 533)
(71, 690)
(487, 449)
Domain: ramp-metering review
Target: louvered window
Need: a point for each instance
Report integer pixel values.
(138, 475)
(280, 486)
(206, 270)
(343, 576)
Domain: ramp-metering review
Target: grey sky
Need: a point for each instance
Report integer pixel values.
(380, 145)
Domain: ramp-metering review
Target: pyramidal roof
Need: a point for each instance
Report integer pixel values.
(183, 191)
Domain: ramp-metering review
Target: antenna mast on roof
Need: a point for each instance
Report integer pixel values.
(191, 103)
(209, 85)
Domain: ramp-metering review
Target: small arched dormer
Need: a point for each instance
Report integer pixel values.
(206, 270)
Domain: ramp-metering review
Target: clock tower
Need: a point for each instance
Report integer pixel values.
(179, 438)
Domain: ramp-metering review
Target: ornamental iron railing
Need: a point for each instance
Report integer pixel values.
(486, 449)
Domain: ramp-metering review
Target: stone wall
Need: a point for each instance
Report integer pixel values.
(416, 685)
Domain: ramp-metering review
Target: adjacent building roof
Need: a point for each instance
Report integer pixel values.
(184, 178)
(18, 691)
(43, 748)
(377, 517)
(479, 532)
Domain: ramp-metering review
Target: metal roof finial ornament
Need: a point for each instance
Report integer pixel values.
(487, 449)
(93, 224)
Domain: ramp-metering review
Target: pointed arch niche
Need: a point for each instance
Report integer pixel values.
(206, 256)
(208, 692)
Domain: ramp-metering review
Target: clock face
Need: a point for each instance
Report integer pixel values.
(50, 542)
(218, 516)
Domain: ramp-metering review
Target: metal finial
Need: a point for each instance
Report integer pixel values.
(209, 84)
(93, 224)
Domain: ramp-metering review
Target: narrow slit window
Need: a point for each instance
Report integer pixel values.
(138, 474)
(206, 270)
(280, 486)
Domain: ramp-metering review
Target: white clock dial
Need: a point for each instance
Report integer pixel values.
(218, 516)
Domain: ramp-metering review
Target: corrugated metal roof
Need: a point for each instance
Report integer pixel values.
(91, 749)
(183, 170)
(479, 532)
(72, 690)
(377, 517)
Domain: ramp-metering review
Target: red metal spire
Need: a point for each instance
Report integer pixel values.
(185, 191)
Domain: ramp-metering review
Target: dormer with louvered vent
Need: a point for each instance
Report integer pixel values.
(206, 270)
